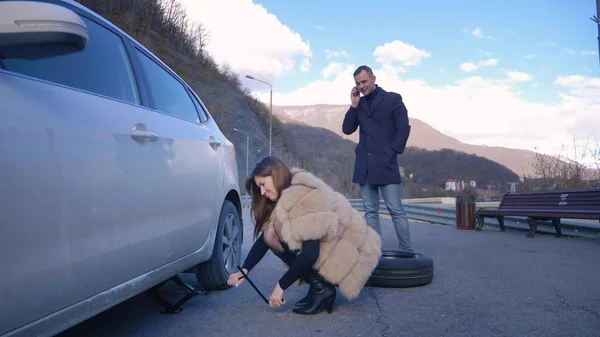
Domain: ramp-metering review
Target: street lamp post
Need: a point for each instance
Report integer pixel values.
(247, 147)
(597, 20)
(270, 109)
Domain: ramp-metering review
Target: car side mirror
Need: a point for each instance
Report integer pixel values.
(36, 30)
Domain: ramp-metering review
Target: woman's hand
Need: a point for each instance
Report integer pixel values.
(237, 279)
(276, 299)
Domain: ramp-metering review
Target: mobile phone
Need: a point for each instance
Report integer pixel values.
(357, 92)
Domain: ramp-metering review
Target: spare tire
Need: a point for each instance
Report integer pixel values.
(401, 269)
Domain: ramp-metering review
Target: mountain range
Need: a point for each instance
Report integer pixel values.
(422, 136)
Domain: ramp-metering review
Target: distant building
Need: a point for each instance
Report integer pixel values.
(450, 185)
(459, 185)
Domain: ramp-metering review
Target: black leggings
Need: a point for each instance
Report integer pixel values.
(299, 262)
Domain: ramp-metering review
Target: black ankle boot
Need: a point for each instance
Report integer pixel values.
(288, 257)
(320, 296)
(303, 301)
(308, 281)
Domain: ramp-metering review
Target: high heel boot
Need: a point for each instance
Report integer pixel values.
(320, 296)
(303, 301)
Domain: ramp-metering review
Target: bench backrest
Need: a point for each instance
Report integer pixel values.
(578, 200)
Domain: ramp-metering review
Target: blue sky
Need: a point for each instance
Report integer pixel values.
(517, 29)
(518, 74)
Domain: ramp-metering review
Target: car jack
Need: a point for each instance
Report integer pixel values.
(174, 308)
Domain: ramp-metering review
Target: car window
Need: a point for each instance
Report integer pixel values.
(201, 112)
(168, 95)
(102, 67)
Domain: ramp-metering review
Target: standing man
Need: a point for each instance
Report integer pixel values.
(384, 131)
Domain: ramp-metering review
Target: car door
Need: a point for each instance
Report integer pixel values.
(82, 177)
(191, 201)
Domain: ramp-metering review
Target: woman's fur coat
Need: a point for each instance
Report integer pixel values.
(310, 209)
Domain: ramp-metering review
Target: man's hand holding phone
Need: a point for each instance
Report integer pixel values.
(355, 97)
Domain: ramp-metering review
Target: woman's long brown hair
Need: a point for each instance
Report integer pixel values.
(262, 207)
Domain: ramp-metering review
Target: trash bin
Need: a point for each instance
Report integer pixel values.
(465, 212)
(460, 210)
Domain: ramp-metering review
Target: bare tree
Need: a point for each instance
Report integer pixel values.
(106, 8)
(563, 172)
(202, 38)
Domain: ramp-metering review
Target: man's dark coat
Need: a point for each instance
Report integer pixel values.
(384, 132)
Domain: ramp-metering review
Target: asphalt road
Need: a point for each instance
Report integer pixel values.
(486, 283)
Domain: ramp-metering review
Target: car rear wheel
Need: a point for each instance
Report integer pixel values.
(227, 253)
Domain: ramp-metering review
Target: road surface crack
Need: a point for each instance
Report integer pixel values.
(380, 321)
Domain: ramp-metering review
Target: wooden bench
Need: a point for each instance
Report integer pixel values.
(544, 206)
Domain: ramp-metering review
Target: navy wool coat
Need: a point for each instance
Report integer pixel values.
(383, 134)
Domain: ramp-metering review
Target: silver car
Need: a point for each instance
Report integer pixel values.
(114, 177)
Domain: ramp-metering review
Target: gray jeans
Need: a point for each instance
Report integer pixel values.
(392, 196)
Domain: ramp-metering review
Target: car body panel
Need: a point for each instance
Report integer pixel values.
(91, 216)
(76, 190)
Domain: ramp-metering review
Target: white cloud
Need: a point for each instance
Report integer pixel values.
(478, 33)
(250, 49)
(470, 66)
(580, 107)
(474, 109)
(581, 52)
(305, 66)
(581, 86)
(332, 69)
(400, 52)
(546, 44)
(488, 63)
(519, 76)
(335, 54)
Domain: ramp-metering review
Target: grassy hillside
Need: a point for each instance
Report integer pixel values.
(332, 157)
(164, 28)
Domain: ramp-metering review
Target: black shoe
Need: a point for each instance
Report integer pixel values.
(309, 281)
(303, 301)
(320, 296)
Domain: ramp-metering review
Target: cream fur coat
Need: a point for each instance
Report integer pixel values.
(349, 250)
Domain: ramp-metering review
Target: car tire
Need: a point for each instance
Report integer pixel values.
(401, 269)
(227, 252)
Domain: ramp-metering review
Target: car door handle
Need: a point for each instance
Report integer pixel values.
(139, 135)
(213, 143)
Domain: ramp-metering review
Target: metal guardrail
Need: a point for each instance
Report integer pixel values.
(447, 216)
(246, 201)
(444, 215)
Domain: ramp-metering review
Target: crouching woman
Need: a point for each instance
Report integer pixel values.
(314, 230)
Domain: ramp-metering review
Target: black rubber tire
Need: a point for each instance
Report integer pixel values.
(213, 274)
(400, 269)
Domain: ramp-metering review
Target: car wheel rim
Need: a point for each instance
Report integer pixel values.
(231, 244)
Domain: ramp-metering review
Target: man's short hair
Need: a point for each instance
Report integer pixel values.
(361, 68)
